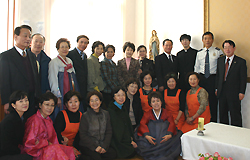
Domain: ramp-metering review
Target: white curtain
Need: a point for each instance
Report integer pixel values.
(111, 21)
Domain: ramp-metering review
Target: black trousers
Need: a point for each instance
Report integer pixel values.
(231, 103)
(209, 85)
(93, 155)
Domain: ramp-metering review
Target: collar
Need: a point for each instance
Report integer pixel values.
(157, 117)
(208, 48)
(231, 58)
(167, 54)
(79, 51)
(95, 55)
(118, 105)
(19, 50)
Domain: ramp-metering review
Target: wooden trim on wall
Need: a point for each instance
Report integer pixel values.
(206, 15)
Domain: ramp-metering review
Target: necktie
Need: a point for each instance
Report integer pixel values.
(226, 69)
(207, 67)
(170, 58)
(24, 53)
(82, 55)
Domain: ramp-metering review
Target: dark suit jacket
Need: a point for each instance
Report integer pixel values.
(13, 75)
(163, 66)
(236, 78)
(81, 69)
(43, 71)
(11, 134)
(185, 62)
(148, 64)
(124, 74)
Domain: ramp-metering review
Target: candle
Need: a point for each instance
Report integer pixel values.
(200, 124)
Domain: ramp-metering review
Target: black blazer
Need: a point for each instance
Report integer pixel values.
(148, 64)
(13, 74)
(81, 69)
(136, 104)
(163, 66)
(11, 134)
(236, 78)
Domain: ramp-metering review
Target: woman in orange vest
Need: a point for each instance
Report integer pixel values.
(197, 104)
(174, 100)
(67, 121)
(146, 79)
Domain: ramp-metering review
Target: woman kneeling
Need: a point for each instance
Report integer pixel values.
(157, 136)
(95, 130)
(40, 140)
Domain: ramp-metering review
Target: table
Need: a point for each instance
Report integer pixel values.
(229, 141)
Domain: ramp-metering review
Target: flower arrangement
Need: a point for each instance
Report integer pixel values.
(216, 156)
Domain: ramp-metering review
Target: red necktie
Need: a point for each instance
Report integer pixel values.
(226, 68)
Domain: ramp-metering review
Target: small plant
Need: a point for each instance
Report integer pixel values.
(216, 156)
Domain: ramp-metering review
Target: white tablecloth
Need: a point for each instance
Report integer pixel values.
(229, 141)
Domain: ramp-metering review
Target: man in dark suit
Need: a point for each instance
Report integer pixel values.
(79, 59)
(37, 45)
(164, 64)
(18, 70)
(231, 82)
(185, 61)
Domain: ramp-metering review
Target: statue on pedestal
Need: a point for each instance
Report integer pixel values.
(154, 46)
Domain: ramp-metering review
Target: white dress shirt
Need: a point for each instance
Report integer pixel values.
(214, 54)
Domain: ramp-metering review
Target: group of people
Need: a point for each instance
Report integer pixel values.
(77, 107)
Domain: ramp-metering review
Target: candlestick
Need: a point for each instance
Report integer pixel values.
(200, 124)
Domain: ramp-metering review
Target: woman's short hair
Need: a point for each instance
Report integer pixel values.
(14, 97)
(96, 44)
(91, 93)
(154, 94)
(117, 89)
(107, 47)
(143, 74)
(171, 75)
(60, 41)
(192, 73)
(132, 81)
(128, 44)
(69, 95)
(141, 46)
(48, 96)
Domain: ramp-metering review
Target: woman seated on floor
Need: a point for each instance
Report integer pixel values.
(196, 104)
(157, 136)
(12, 128)
(133, 101)
(122, 138)
(40, 140)
(95, 130)
(67, 121)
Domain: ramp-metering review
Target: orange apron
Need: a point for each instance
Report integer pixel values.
(193, 106)
(71, 129)
(172, 105)
(144, 101)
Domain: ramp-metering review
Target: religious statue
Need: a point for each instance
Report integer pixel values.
(154, 46)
